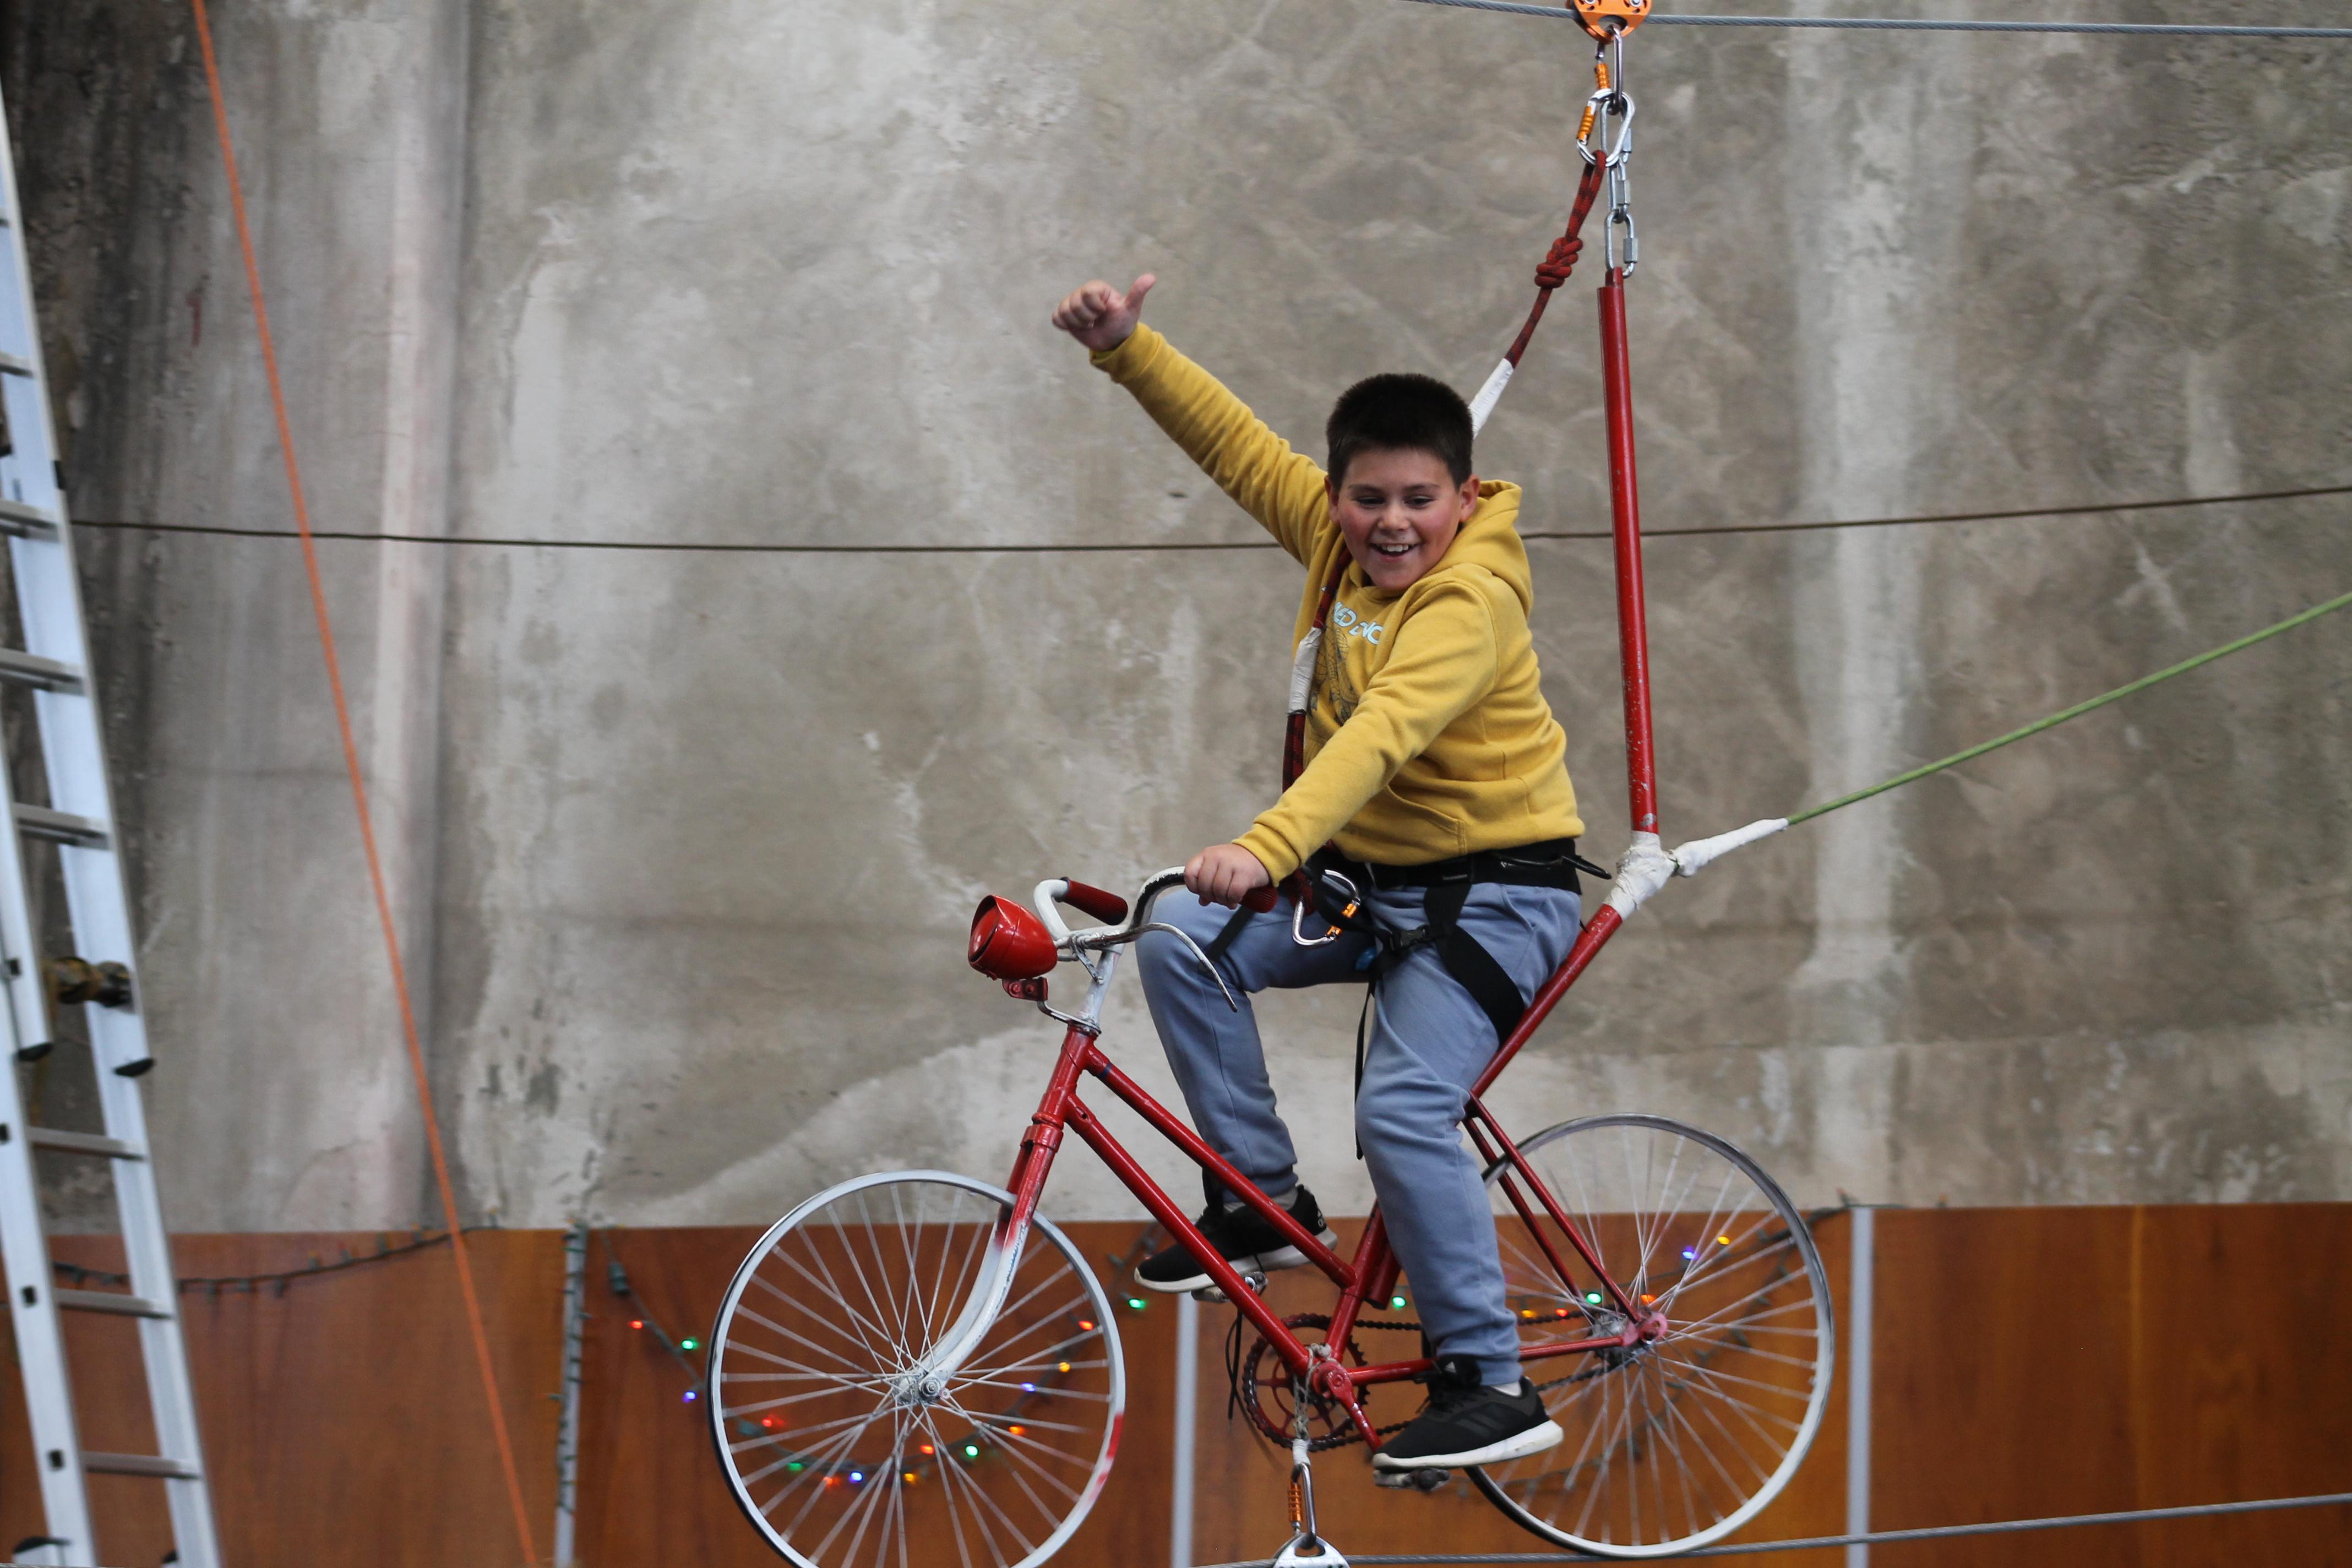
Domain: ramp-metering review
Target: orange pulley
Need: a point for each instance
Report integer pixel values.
(1602, 17)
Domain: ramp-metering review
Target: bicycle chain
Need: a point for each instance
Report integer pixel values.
(1246, 1384)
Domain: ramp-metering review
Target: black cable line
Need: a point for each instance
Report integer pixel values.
(1878, 1537)
(1134, 547)
(1910, 25)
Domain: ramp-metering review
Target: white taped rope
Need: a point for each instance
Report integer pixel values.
(1642, 870)
(1489, 395)
(1302, 670)
(1693, 858)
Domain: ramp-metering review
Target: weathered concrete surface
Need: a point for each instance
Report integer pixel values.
(687, 899)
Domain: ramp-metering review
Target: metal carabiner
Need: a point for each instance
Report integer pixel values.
(1298, 914)
(1608, 102)
(1620, 256)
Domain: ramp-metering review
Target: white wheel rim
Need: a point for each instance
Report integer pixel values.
(813, 1389)
(1672, 1442)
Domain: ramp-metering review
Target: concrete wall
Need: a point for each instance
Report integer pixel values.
(684, 844)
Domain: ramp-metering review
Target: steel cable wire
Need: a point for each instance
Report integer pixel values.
(1911, 25)
(748, 547)
(1882, 1537)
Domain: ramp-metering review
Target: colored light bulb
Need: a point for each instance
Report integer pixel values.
(1396, 1304)
(689, 1344)
(970, 1451)
(1593, 1296)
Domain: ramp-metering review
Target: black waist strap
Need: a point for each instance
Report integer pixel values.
(1553, 863)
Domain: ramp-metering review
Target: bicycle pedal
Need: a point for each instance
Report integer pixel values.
(1416, 1480)
(1216, 1297)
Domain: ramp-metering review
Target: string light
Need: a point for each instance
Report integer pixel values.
(1396, 1304)
(1593, 1297)
(1136, 1304)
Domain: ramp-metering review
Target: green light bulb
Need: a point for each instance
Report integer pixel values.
(970, 1451)
(689, 1344)
(1593, 1296)
(1396, 1304)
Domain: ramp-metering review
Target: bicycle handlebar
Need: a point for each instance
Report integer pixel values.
(1113, 910)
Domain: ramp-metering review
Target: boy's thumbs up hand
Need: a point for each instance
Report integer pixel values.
(1100, 316)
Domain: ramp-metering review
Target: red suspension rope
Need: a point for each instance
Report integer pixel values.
(360, 802)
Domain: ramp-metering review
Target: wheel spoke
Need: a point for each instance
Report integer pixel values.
(1671, 1442)
(829, 1320)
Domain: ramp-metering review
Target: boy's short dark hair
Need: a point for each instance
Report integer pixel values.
(1399, 413)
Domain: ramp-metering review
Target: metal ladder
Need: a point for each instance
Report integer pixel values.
(78, 820)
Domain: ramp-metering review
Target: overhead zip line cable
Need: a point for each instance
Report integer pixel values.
(1911, 25)
(456, 1230)
(2088, 508)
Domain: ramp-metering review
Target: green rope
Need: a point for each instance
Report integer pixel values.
(2076, 711)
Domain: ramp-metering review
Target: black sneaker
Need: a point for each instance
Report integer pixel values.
(1242, 1236)
(1467, 1422)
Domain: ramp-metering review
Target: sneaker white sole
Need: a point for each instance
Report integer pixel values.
(1281, 1258)
(1518, 1446)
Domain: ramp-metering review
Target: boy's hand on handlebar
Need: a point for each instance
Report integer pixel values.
(1100, 316)
(1221, 873)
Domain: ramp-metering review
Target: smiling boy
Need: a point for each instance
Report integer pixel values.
(1434, 782)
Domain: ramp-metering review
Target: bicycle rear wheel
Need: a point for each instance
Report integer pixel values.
(1675, 1442)
(846, 1449)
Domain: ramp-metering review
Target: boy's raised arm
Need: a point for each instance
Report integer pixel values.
(1282, 489)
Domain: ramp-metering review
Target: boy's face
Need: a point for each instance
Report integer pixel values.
(1399, 511)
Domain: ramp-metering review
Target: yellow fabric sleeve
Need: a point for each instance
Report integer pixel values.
(1282, 489)
(1443, 663)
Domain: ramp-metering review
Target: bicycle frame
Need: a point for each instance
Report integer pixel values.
(1371, 1273)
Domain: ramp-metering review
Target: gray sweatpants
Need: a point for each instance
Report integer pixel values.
(1428, 1043)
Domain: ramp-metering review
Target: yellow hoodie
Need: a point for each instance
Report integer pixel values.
(1427, 733)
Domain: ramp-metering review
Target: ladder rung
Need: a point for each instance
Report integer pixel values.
(64, 827)
(82, 1143)
(31, 522)
(139, 1465)
(31, 669)
(110, 1302)
(15, 364)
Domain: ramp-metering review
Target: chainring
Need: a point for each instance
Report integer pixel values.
(1263, 1388)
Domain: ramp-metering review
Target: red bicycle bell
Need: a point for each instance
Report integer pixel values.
(1009, 942)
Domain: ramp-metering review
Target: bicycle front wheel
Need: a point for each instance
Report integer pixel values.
(847, 1442)
(1677, 1441)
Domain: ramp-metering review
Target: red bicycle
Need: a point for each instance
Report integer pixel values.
(919, 1356)
(918, 1361)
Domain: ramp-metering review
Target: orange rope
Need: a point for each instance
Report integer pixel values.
(360, 801)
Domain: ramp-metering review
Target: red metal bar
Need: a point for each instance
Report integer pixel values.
(1045, 1134)
(1597, 931)
(1551, 1206)
(1625, 509)
(1172, 1127)
(1538, 1350)
(1163, 1208)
